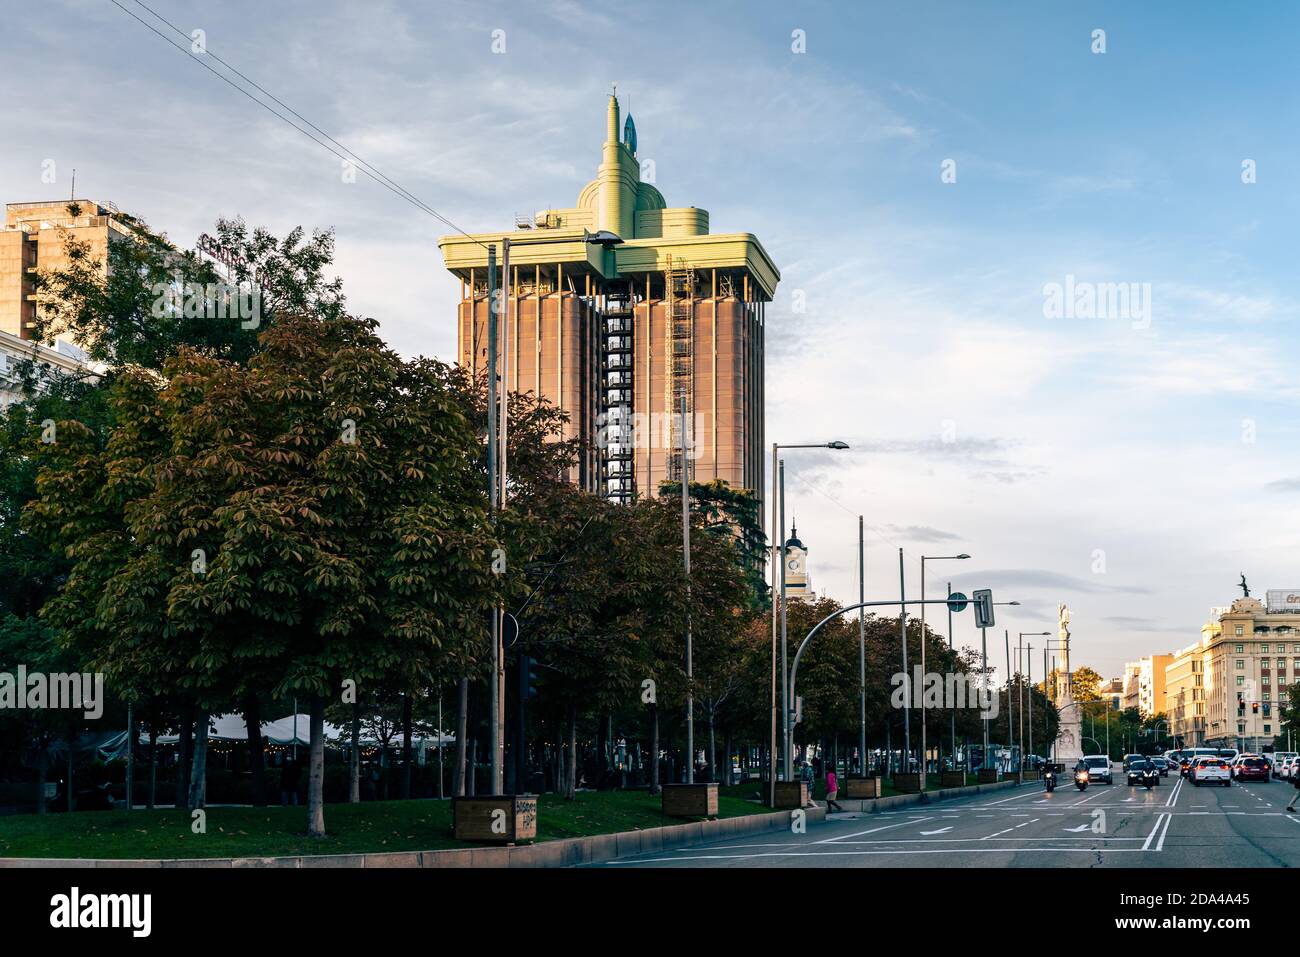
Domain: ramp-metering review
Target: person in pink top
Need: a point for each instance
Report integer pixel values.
(832, 790)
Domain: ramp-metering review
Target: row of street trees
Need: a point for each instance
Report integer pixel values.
(236, 516)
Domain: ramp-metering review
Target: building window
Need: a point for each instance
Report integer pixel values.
(1281, 664)
(1241, 729)
(1240, 631)
(1268, 729)
(1241, 680)
(1241, 663)
(1264, 681)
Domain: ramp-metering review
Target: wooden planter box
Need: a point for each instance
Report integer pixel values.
(495, 819)
(907, 783)
(988, 776)
(861, 788)
(1010, 775)
(952, 779)
(791, 794)
(690, 800)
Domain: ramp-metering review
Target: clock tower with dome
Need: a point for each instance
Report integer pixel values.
(796, 566)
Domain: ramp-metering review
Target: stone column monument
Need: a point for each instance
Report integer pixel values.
(1068, 748)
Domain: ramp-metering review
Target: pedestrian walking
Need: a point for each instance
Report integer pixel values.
(833, 790)
(1294, 797)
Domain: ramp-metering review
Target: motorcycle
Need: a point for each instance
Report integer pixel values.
(1081, 780)
(1049, 779)
(1150, 778)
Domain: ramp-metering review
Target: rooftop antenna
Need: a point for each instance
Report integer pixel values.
(74, 186)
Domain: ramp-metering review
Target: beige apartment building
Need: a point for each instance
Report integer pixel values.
(1229, 689)
(34, 237)
(620, 310)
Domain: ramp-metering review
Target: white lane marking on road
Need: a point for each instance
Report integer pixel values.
(918, 850)
(874, 830)
(1173, 795)
(1160, 845)
(1087, 799)
(1159, 821)
(1015, 797)
(1077, 830)
(942, 830)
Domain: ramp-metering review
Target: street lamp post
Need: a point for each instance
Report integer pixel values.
(778, 592)
(1019, 658)
(924, 559)
(498, 431)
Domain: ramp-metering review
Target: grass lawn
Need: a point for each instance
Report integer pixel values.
(278, 831)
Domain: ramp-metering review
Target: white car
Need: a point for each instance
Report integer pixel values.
(1288, 769)
(1279, 761)
(1210, 771)
(1098, 768)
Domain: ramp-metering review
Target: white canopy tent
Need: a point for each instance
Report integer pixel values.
(232, 727)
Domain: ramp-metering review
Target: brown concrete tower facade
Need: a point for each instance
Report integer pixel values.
(620, 310)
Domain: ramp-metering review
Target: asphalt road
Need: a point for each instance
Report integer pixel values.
(1172, 825)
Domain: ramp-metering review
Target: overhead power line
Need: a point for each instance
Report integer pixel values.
(342, 151)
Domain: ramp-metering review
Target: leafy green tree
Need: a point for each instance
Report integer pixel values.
(311, 518)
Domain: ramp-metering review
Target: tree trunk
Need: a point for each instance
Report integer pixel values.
(130, 755)
(406, 747)
(256, 752)
(42, 764)
(654, 749)
(199, 769)
(571, 774)
(713, 750)
(471, 766)
(184, 755)
(462, 706)
(354, 762)
(316, 772)
(726, 760)
(153, 764)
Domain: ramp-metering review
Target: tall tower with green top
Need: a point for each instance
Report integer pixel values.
(621, 336)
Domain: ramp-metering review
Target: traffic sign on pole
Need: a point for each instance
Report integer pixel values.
(957, 602)
(983, 600)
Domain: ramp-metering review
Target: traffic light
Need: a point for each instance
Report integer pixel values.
(1241, 705)
(1254, 707)
(527, 678)
(982, 599)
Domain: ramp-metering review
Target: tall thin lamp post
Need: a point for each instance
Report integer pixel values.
(862, 651)
(1019, 661)
(686, 562)
(924, 559)
(498, 432)
(778, 607)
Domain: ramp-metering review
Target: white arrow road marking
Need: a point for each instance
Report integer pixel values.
(942, 830)
(1077, 830)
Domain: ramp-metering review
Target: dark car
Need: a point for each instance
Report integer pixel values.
(1252, 769)
(1162, 766)
(1136, 767)
(1130, 758)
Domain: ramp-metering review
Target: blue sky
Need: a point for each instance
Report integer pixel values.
(1130, 472)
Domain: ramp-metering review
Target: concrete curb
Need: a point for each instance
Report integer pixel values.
(568, 852)
(876, 805)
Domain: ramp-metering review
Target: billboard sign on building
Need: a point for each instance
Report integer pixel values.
(1283, 599)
